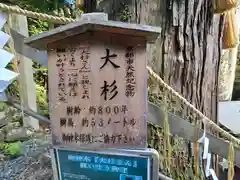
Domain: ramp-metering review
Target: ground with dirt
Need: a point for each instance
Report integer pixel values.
(33, 163)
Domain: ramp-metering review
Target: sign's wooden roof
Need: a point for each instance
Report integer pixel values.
(40, 41)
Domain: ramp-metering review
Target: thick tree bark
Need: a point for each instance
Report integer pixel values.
(90, 5)
(187, 54)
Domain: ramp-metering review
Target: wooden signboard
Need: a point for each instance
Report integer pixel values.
(98, 91)
(97, 82)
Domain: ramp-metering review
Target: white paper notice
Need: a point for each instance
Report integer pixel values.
(6, 78)
(7, 75)
(3, 39)
(207, 169)
(206, 145)
(201, 140)
(5, 58)
(213, 174)
(3, 19)
(4, 85)
(2, 96)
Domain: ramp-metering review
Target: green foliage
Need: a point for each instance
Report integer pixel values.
(43, 6)
(117, 10)
(2, 146)
(11, 149)
(125, 14)
(182, 160)
(37, 26)
(40, 74)
(3, 106)
(42, 100)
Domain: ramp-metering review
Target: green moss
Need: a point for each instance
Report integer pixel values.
(3, 106)
(42, 100)
(182, 164)
(2, 146)
(12, 149)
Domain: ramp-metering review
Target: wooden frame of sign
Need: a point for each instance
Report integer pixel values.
(98, 83)
(96, 100)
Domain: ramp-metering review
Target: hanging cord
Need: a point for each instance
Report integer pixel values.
(196, 150)
(231, 160)
(167, 143)
(204, 119)
(176, 139)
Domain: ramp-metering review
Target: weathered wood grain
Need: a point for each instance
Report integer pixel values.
(26, 80)
(121, 122)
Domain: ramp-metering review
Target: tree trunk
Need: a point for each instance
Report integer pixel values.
(89, 6)
(187, 54)
(190, 49)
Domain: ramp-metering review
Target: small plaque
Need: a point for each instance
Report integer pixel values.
(83, 165)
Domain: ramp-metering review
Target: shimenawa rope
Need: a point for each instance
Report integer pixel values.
(41, 16)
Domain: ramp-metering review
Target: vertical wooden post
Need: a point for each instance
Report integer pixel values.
(26, 82)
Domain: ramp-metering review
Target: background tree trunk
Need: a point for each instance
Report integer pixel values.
(187, 54)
